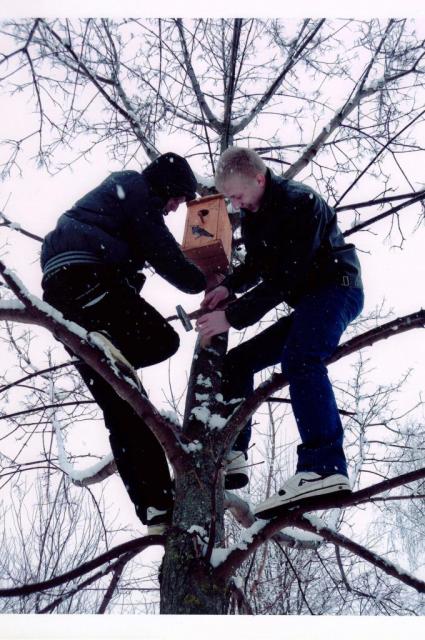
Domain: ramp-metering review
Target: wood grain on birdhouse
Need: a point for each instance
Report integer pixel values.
(207, 237)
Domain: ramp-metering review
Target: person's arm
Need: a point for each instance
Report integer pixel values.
(164, 254)
(253, 305)
(243, 277)
(300, 240)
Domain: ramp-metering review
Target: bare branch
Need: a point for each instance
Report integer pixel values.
(132, 546)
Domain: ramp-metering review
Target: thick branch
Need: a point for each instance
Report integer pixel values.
(117, 375)
(17, 227)
(203, 105)
(293, 58)
(294, 516)
(342, 541)
(241, 511)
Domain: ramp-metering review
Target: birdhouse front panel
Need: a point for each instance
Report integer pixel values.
(207, 237)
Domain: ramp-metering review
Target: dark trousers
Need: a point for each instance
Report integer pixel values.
(100, 300)
(301, 342)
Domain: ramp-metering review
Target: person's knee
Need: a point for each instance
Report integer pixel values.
(169, 342)
(234, 364)
(237, 374)
(300, 362)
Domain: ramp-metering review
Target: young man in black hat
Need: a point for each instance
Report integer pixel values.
(295, 253)
(92, 272)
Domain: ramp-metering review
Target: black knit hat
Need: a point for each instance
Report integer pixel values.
(170, 176)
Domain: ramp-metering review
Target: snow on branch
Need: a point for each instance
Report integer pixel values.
(312, 524)
(288, 537)
(13, 310)
(102, 360)
(341, 114)
(5, 222)
(82, 477)
(229, 560)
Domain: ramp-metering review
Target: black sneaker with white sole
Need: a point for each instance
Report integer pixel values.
(302, 486)
(236, 470)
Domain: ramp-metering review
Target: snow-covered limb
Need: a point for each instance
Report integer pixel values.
(171, 416)
(80, 477)
(288, 537)
(76, 338)
(293, 516)
(5, 222)
(314, 525)
(192, 446)
(220, 555)
(90, 475)
(340, 115)
(13, 311)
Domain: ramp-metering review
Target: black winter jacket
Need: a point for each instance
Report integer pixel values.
(121, 223)
(293, 246)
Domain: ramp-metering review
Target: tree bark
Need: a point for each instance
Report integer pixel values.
(189, 584)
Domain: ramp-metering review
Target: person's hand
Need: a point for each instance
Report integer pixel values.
(214, 297)
(211, 324)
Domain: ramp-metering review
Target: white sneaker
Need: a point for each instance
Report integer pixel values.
(303, 485)
(98, 336)
(157, 521)
(236, 468)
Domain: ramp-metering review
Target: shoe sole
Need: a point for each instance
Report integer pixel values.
(157, 529)
(337, 489)
(235, 480)
(119, 357)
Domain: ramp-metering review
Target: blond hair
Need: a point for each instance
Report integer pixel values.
(238, 161)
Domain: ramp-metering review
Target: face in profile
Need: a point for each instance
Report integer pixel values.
(173, 204)
(245, 192)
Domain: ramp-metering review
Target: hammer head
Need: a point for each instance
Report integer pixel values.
(184, 318)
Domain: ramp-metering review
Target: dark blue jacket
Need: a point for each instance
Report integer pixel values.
(121, 223)
(293, 246)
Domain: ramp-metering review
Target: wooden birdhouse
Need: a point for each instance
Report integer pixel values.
(207, 237)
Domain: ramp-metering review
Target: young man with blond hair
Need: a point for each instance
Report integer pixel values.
(295, 253)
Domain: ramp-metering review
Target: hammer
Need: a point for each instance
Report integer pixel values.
(185, 318)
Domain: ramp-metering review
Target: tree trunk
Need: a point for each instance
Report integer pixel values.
(187, 580)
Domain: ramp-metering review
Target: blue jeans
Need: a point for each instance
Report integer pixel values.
(301, 342)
